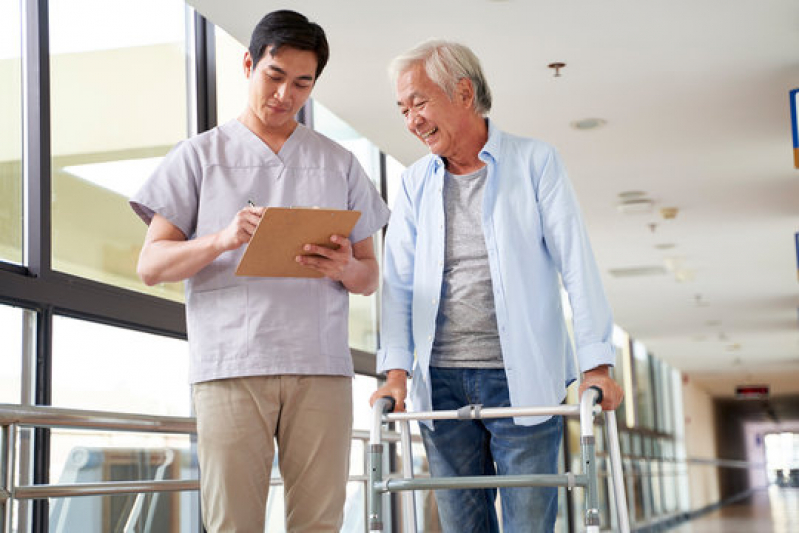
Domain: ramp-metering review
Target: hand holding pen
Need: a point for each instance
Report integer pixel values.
(241, 228)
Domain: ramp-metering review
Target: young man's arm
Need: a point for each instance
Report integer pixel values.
(167, 256)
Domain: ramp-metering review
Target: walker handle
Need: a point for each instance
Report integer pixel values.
(599, 394)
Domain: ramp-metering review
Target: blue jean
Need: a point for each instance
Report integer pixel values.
(486, 447)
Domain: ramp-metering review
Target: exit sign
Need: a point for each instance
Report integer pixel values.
(751, 392)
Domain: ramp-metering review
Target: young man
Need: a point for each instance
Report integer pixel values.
(270, 357)
(481, 230)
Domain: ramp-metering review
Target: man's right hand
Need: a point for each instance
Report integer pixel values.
(240, 229)
(396, 386)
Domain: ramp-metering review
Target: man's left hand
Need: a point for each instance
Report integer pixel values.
(332, 263)
(599, 377)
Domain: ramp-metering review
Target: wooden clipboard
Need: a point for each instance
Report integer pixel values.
(281, 234)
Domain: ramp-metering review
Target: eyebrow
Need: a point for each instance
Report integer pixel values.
(409, 98)
(279, 70)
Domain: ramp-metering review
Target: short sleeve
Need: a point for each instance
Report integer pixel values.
(173, 190)
(363, 197)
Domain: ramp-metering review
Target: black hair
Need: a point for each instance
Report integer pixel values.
(289, 28)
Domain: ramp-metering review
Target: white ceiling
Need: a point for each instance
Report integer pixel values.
(695, 95)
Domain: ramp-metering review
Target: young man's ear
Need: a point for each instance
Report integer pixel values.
(247, 64)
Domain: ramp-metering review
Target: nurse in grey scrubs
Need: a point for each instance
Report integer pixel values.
(270, 358)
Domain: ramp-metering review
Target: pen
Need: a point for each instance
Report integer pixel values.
(250, 203)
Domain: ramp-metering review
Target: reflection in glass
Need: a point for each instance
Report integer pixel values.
(10, 134)
(102, 367)
(118, 104)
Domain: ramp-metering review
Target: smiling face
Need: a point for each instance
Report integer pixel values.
(279, 86)
(431, 115)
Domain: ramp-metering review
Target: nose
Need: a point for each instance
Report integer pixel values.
(281, 91)
(413, 118)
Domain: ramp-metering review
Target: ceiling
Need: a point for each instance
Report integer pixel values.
(695, 99)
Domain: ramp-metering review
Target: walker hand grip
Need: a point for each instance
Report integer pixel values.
(599, 394)
(389, 404)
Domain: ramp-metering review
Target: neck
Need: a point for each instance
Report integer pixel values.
(466, 159)
(273, 137)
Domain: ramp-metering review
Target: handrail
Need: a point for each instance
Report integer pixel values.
(56, 417)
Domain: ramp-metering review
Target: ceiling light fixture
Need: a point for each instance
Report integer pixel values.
(588, 124)
(557, 66)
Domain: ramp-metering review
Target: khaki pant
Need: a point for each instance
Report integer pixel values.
(238, 421)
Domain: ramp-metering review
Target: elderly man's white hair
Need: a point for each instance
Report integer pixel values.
(446, 63)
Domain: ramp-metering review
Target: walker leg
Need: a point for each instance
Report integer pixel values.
(616, 471)
(408, 496)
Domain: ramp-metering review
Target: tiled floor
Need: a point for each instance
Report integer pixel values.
(775, 510)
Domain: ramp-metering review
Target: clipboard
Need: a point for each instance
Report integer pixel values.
(281, 234)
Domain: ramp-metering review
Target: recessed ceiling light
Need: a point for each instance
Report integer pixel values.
(628, 195)
(665, 246)
(588, 123)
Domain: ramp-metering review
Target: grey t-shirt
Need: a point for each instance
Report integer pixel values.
(246, 326)
(466, 325)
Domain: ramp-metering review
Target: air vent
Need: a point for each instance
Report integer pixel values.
(631, 272)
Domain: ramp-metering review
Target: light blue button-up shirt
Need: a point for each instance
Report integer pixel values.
(534, 232)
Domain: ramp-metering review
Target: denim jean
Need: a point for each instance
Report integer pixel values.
(486, 447)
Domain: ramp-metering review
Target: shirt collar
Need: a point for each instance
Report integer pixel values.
(490, 150)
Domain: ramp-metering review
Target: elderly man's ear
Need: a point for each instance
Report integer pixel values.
(464, 91)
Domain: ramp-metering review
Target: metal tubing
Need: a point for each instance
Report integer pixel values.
(488, 412)
(375, 473)
(616, 471)
(480, 482)
(408, 498)
(588, 410)
(106, 488)
(54, 417)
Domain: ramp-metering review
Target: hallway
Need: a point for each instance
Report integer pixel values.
(772, 510)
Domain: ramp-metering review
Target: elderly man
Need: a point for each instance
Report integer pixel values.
(478, 236)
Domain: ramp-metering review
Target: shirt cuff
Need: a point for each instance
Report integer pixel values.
(593, 355)
(394, 358)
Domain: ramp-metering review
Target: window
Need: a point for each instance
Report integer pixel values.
(231, 83)
(363, 310)
(13, 339)
(115, 369)
(118, 97)
(10, 134)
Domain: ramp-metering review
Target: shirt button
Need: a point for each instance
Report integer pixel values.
(429, 337)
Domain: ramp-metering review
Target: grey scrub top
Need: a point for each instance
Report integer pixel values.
(247, 326)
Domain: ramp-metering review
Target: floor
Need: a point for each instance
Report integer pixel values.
(772, 510)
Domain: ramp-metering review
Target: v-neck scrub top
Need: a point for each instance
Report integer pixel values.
(248, 326)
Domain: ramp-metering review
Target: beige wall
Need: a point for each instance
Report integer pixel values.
(700, 442)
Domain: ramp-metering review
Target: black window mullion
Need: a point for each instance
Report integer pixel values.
(36, 143)
(38, 235)
(204, 73)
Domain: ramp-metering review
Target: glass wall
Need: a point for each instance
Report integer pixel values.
(363, 309)
(12, 339)
(10, 133)
(118, 105)
(231, 82)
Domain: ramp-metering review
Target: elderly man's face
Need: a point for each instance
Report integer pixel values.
(429, 113)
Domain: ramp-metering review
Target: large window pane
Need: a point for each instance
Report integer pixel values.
(102, 367)
(10, 134)
(231, 84)
(11, 353)
(118, 105)
(363, 309)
